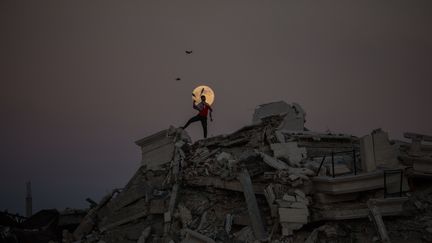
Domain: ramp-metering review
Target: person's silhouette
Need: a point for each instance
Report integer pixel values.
(203, 108)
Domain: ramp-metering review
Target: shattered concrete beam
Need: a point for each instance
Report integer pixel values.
(222, 184)
(387, 207)
(422, 164)
(171, 205)
(367, 154)
(88, 221)
(254, 213)
(124, 221)
(273, 162)
(416, 145)
(205, 156)
(293, 215)
(349, 183)
(378, 221)
(173, 198)
(423, 137)
(270, 197)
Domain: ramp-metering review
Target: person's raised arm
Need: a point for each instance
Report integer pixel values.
(194, 105)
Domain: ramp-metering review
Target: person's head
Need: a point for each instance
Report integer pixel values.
(203, 98)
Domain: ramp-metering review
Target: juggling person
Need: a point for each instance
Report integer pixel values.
(203, 109)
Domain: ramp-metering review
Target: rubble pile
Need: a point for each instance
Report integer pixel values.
(269, 181)
(272, 181)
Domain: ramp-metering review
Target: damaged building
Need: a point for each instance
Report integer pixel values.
(271, 181)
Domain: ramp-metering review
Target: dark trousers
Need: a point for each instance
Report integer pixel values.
(196, 118)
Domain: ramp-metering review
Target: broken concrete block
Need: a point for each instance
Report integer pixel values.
(224, 157)
(327, 198)
(367, 154)
(179, 134)
(387, 207)
(253, 209)
(157, 149)
(185, 215)
(300, 194)
(295, 119)
(245, 234)
(88, 222)
(328, 230)
(242, 219)
(289, 152)
(123, 221)
(300, 171)
(349, 183)
(422, 164)
(273, 162)
(203, 220)
(286, 204)
(301, 204)
(301, 197)
(173, 198)
(296, 183)
(294, 115)
(144, 235)
(376, 217)
(280, 137)
(293, 215)
(228, 223)
(289, 198)
(416, 145)
(270, 197)
(385, 153)
(167, 217)
(270, 109)
(293, 177)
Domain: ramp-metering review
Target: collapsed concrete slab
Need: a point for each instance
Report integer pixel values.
(385, 153)
(294, 115)
(422, 164)
(289, 152)
(376, 217)
(367, 154)
(325, 198)
(418, 155)
(349, 183)
(254, 212)
(416, 138)
(344, 211)
(157, 150)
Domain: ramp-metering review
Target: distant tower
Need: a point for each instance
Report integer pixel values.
(29, 204)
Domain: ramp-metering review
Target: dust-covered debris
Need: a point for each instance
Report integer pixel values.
(273, 181)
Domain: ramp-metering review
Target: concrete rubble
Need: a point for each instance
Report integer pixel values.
(272, 181)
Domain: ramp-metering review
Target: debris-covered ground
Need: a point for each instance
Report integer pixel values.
(272, 181)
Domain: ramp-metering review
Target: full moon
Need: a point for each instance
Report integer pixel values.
(203, 90)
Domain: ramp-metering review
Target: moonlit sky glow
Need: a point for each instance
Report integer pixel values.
(208, 93)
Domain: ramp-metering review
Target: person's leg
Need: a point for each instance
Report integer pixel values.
(193, 119)
(204, 125)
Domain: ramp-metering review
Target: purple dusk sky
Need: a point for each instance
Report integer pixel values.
(82, 80)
